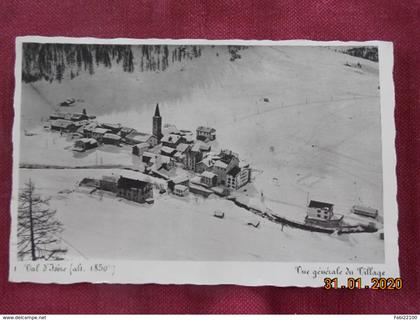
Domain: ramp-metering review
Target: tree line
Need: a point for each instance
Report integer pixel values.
(54, 61)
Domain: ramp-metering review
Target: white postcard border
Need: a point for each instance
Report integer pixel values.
(223, 272)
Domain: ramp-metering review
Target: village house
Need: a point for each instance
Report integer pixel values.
(238, 176)
(322, 213)
(111, 138)
(98, 133)
(167, 151)
(181, 180)
(141, 137)
(170, 140)
(228, 160)
(134, 190)
(206, 133)
(193, 155)
(108, 183)
(181, 190)
(125, 131)
(209, 179)
(63, 125)
(113, 127)
(88, 129)
(140, 148)
(84, 144)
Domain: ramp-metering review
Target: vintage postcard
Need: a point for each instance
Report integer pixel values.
(203, 162)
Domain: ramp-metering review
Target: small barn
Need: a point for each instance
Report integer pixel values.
(364, 211)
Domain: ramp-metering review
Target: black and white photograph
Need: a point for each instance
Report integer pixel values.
(243, 152)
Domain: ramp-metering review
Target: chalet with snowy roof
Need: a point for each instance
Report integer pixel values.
(140, 148)
(98, 133)
(322, 214)
(84, 144)
(206, 133)
(209, 179)
(170, 140)
(181, 190)
(227, 161)
(134, 190)
(238, 176)
(63, 125)
(167, 151)
(88, 129)
(141, 137)
(113, 127)
(111, 138)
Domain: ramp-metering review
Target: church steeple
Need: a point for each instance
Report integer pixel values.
(157, 124)
(157, 113)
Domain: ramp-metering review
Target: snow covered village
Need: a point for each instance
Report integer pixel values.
(203, 152)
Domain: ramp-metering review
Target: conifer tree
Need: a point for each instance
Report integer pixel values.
(38, 228)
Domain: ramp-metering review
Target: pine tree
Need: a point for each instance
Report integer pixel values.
(38, 228)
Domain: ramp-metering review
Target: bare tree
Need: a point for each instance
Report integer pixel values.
(38, 228)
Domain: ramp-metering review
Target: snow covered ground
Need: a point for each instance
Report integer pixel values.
(106, 227)
(317, 137)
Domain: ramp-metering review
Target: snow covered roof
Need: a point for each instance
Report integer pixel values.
(181, 187)
(133, 175)
(208, 161)
(182, 147)
(170, 138)
(100, 130)
(320, 205)
(61, 123)
(115, 126)
(139, 136)
(365, 209)
(206, 129)
(220, 164)
(208, 174)
(180, 179)
(142, 145)
(112, 136)
(87, 140)
(168, 150)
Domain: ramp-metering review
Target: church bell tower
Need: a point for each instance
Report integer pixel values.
(157, 124)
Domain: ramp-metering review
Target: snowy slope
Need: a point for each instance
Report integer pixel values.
(169, 230)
